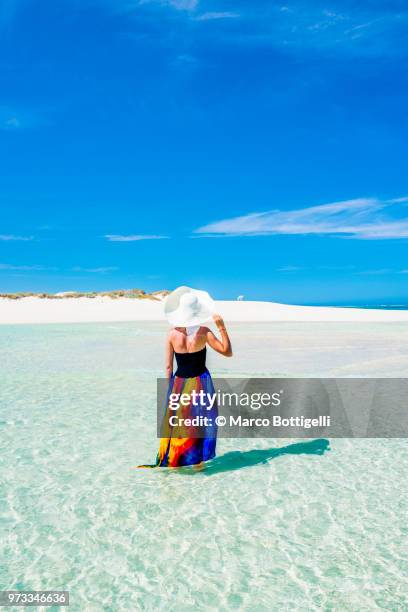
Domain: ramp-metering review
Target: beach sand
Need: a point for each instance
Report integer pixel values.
(105, 309)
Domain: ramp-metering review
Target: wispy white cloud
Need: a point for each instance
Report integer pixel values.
(12, 123)
(133, 238)
(184, 60)
(101, 270)
(190, 8)
(5, 266)
(183, 5)
(7, 237)
(362, 218)
(378, 271)
(289, 269)
(10, 119)
(19, 119)
(341, 29)
(381, 271)
(179, 5)
(216, 15)
(337, 268)
(351, 269)
(333, 28)
(398, 200)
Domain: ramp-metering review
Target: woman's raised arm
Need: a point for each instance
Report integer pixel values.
(222, 346)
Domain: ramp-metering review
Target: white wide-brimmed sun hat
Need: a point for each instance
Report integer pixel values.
(185, 307)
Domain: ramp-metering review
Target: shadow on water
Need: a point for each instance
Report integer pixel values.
(237, 460)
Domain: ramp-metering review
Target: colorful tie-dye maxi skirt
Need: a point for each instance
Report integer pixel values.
(188, 439)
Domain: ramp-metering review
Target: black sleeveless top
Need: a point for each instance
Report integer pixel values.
(190, 365)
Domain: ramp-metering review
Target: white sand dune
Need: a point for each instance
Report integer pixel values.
(100, 309)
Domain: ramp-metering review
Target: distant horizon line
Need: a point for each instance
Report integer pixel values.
(137, 293)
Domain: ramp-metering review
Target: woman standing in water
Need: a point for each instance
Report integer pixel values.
(183, 443)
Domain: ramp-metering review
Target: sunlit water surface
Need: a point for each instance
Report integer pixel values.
(299, 528)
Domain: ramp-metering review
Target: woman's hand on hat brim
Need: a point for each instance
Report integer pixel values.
(218, 320)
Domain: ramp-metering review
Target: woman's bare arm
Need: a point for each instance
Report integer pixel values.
(222, 346)
(169, 355)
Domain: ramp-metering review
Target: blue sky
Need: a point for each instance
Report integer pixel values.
(254, 148)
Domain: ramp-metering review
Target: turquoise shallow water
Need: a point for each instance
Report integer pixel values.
(279, 526)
